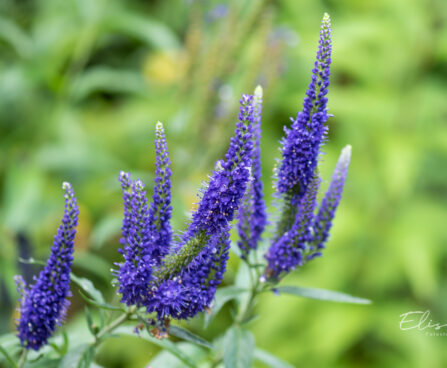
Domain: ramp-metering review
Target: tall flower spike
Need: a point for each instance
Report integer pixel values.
(227, 185)
(126, 184)
(43, 305)
(186, 282)
(160, 209)
(326, 212)
(302, 144)
(135, 273)
(288, 251)
(252, 216)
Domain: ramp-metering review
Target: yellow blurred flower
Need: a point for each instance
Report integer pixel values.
(164, 67)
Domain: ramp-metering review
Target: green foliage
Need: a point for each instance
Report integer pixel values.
(239, 345)
(82, 84)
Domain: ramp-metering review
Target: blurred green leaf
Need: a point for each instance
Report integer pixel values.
(32, 261)
(184, 334)
(22, 190)
(45, 363)
(238, 348)
(63, 347)
(89, 319)
(107, 79)
(164, 343)
(165, 359)
(10, 32)
(7, 357)
(9, 344)
(87, 287)
(150, 31)
(94, 264)
(80, 357)
(223, 295)
(270, 360)
(107, 228)
(105, 306)
(322, 294)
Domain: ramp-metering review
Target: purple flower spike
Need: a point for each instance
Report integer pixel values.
(126, 184)
(303, 140)
(252, 216)
(135, 273)
(160, 209)
(43, 305)
(326, 212)
(229, 181)
(287, 252)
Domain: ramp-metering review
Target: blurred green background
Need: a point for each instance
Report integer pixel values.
(83, 82)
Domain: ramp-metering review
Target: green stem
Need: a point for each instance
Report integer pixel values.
(253, 294)
(22, 359)
(114, 324)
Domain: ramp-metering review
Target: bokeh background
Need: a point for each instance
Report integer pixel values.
(83, 82)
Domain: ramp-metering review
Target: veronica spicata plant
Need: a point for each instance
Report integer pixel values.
(166, 276)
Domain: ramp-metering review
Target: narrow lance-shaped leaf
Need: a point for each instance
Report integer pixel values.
(322, 294)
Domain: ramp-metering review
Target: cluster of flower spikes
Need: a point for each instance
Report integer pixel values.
(43, 304)
(146, 230)
(181, 280)
(252, 217)
(300, 234)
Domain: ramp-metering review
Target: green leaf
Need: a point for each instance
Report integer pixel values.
(87, 287)
(103, 78)
(13, 34)
(184, 334)
(79, 357)
(9, 346)
(47, 363)
(88, 317)
(106, 306)
(322, 294)
(149, 31)
(165, 359)
(22, 191)
(31, 260)
(270, 360)
(164, 344)
(223, 296)
(238, 348)
(94, 265)
(7, 357)
(63, 348)
(106, 229)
